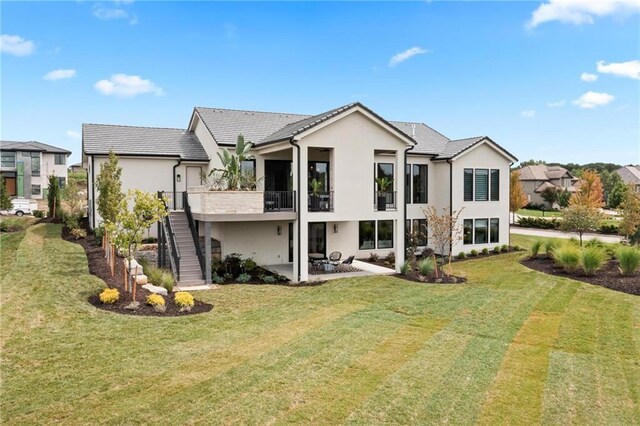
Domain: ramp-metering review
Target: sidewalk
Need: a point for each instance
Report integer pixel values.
(559, 234)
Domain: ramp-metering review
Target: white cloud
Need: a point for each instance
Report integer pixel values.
(59, 74)
(591, 100)
(16, 45)
(106, 13)
(589, 78)
(126, 86)
(403, 56)
(629, 69)
(72, 134)
(528, 113)
(557, 104)
(580, 12)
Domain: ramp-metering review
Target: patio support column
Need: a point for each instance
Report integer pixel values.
(401, 208)
(303, 215)
(207, 252)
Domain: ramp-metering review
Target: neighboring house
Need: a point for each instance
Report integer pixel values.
(26, 167)
(76, 167)
(630, 175)
(535, 179)
(283, 221)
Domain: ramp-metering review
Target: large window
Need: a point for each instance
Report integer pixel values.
(385, 170)
(420, 231)
(8, 159)
(35, 189)
(385, 234)
(494, 230)
(367, 235)
(482, 185)
(35, 164)
(60, 159)
(468, 184)
(495, 185)
(481, 232)
(407, 185)
(319, 170)
(419, 183)
(468, 231)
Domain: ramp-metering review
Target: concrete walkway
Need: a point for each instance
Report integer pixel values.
(366, 269)
(549, 233)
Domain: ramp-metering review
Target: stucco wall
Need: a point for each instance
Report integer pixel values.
(258, 240)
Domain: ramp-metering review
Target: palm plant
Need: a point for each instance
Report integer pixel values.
(231, 173)
(316, 186)
(383, 183)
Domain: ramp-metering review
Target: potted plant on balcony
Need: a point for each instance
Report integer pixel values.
(383, 184)
(316, 186)
(231, 177)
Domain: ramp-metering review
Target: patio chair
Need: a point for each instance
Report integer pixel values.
(334, 258)
(348, 260)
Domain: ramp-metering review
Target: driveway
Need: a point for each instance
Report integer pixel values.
(559, 234)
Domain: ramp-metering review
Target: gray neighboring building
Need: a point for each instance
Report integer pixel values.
(535, 179)
(630, 175)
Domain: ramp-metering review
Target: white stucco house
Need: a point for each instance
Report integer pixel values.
(283, 221)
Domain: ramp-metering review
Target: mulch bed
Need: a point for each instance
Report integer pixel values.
(609, 276)
(431, 279)
(99, 267)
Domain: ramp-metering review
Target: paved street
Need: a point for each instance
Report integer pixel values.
(560, 234)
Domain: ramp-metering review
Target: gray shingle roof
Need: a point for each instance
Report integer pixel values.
(151, 141)
(31, 146)
(453, 148)
(629, 174)
(428, 140)
(543, 172)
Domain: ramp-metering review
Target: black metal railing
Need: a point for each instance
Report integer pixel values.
(385, 200)
(168, 237)
(174, 202)
(320, 201)
(279, 201)
(194, 231)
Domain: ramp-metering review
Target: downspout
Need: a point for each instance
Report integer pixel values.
(450, 203)
(404, 222)
(93, 193)
(293, 143)
(174, 182)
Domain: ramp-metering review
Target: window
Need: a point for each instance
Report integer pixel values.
(468, 184)
(35, 164)
(248, 166)
(62, 182)
(494, 230)
(385, 170)
(419, 183)
(481, 236)
(482, 185)
(468, 231)
(407, 187)
(60, 159)
(367, 235)
(35, 189)
(420, 230)
(319, 170)
(385, 234)
(495, 185)
(8, 159)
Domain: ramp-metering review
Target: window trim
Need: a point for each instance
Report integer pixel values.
(39, 189)
(415, 166)
(374, 235)
(15, 159)
(473, 221)
(378, 232)
(62, 156)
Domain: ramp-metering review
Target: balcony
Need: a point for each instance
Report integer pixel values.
(385, 200)
(320, 201)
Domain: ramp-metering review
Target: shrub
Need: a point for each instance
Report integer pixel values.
(504, 248)
(473, 253)
(517, 248)
(145, 264)
(38, 214)
(232, 264)
(71, 220)
(157, 301)
(426, 266)
(485, 251)
(268, 279)
(98, 232)
(249, 264)
(227, 277)
(217, 279)
(243, 278)
(574, 241)
(373, 257)
(594, 243)
(538, 222)
(109, 296)
(549, 247)
(184, 300)
(608, 228)
(4, 227)
(153, 274)
(496, 250)
(535, 248)
(167, 281)
(462, 255)
(78, 233)
(391, 258)
(592, 259)
(568, 257)
(405, 268)
(628, 259)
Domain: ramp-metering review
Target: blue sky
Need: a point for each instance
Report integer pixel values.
(509, 70)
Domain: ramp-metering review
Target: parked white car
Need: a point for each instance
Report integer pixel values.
(22, 206)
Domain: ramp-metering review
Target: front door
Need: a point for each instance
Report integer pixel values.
(318, 238)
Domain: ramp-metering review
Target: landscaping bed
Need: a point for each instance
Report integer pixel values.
(609, 276)
(99, 267)
(415, 276)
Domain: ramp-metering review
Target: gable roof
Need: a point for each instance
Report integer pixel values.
(458, 147)
(629, 174)
(543, 172)
(32, 146)
(143, 141)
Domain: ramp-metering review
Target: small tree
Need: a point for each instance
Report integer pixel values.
(109, 187)
(5, 201)
(551, 195)
(630, 206)
(73, 196)
(517, 197)
(563, 198)
(590, 193)
(444, 228)
(617, 194)
(53, 197)
(129, 226)
(580, 219)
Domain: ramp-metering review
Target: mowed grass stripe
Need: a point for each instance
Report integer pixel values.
(361, 378)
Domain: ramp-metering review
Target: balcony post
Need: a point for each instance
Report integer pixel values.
(207, 252)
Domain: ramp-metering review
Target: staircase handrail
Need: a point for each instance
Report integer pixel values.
(194, 233)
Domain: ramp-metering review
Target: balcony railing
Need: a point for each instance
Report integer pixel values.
(320, 201)
(279, 201)
(385, 200)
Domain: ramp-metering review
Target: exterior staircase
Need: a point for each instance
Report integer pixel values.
(190, 271)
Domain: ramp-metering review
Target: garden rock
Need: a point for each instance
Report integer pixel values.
(155, 289)
(136, 267)
(141, 279)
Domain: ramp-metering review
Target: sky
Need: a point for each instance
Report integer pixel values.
(557, 80)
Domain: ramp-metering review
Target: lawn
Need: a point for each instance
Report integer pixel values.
(513, 346)
(538, 213)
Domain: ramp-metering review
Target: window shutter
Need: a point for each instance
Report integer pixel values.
(495, 185)
(482, 185)
(468, 184)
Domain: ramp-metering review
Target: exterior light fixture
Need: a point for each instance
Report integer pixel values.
(178, 178)
(279, 230)
(335, 228)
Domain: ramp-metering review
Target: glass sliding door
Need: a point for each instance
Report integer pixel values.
(318, 238)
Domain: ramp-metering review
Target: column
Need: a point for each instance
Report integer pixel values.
(207, 252)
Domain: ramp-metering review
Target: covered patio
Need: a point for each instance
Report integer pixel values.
(365, 269)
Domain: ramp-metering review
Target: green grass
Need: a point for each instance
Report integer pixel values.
(512, 346)
(538, 213)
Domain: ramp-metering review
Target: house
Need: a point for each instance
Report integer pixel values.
(535, 179)
(285, 220)
(630, 175)
(26, 167)
(76, 167)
